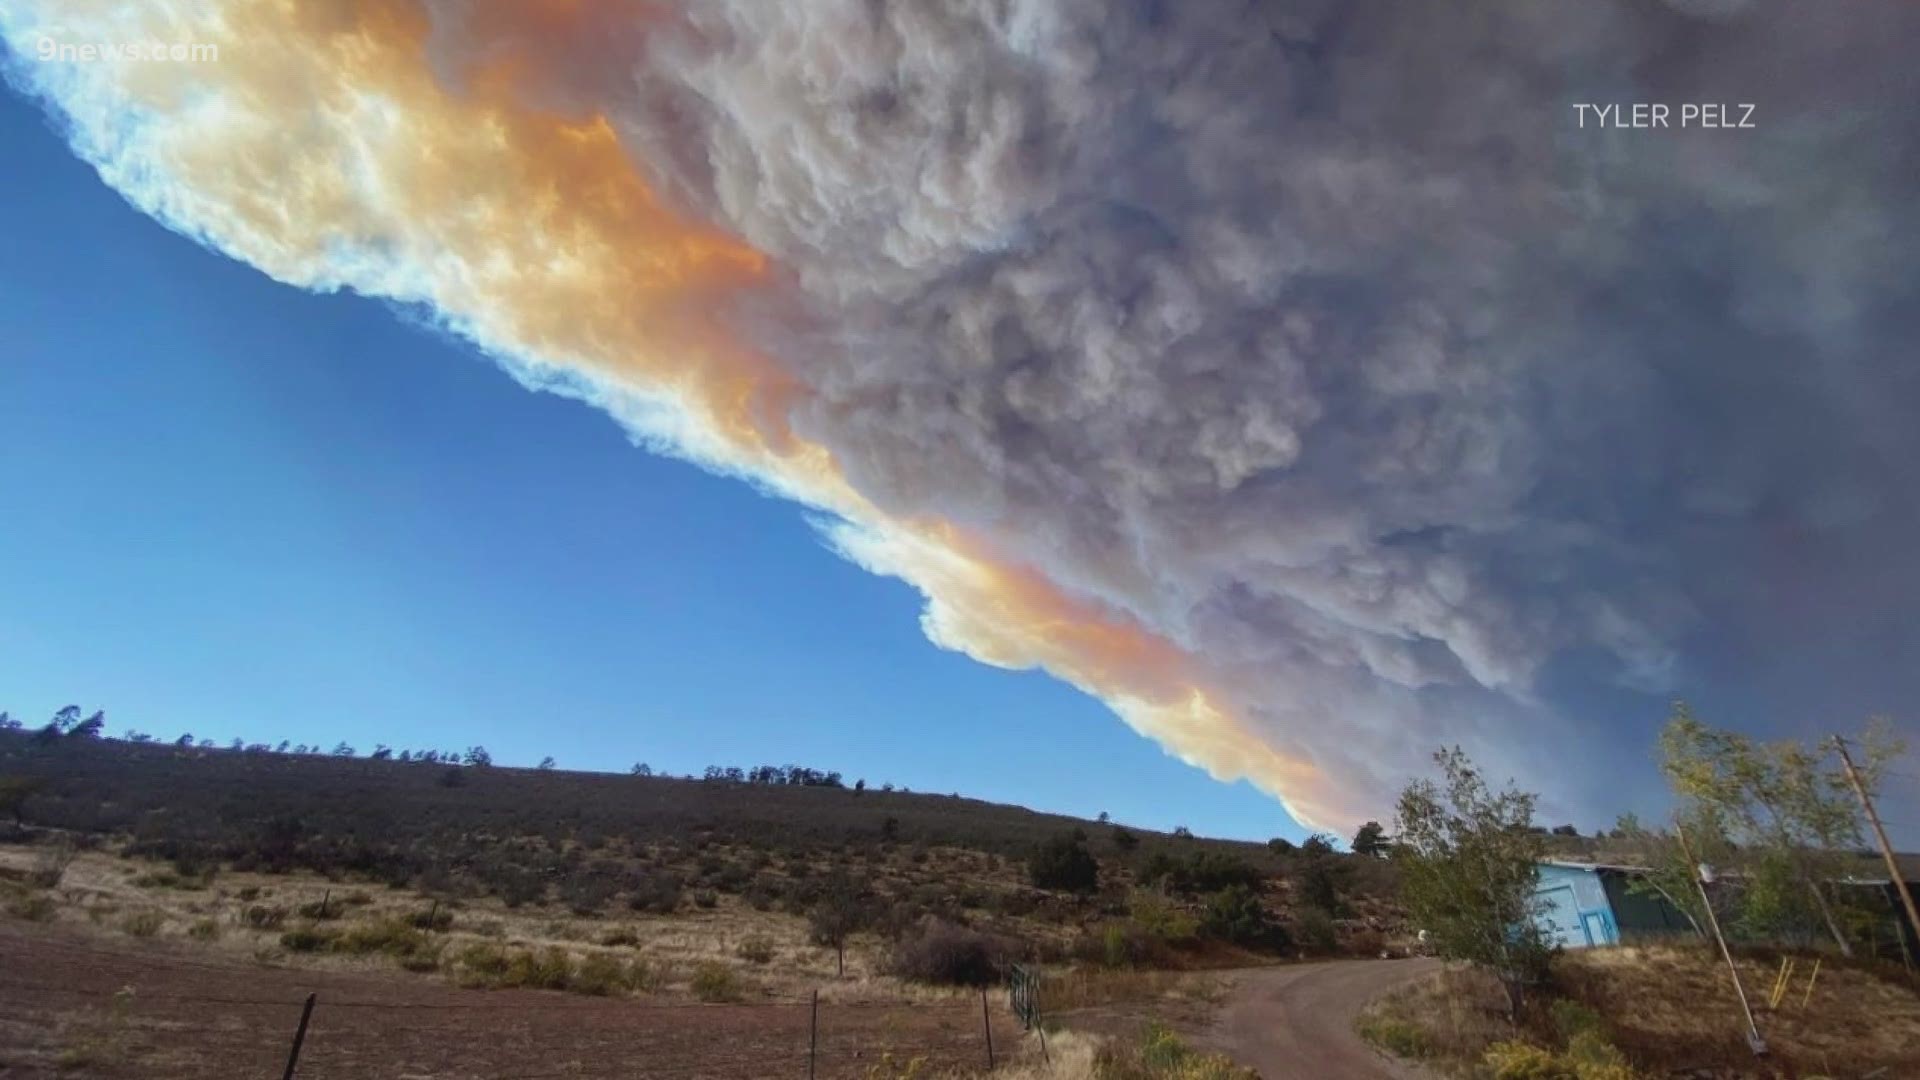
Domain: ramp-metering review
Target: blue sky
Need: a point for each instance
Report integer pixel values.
(237, 509)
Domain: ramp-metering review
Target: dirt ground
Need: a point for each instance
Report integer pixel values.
(1299, 1020)
(76, 1003)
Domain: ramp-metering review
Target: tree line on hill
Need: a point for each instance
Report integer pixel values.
(67, 723)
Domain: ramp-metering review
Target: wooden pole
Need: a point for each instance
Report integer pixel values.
(813, 1033)
(1811, 979)
(1754, 1040)
(299, 1037)
(1879, 834)
(986, 1021)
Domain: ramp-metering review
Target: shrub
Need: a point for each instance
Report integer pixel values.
(943, 953)
(1314, 930)
(714, 982)
(622, 937)
(263, 917)
(1161, 1055)
(585, 893)
(1235, 914)
(434, 918)
(50, 865)
(143, 923)
(204, 930)
(602, 975)
(1064, 864)
(1395, 1036)
(33, 907)
(1514, 1060)
(656, 893)
(308, 939)
(706, 899)
(1163, 921)
(755, 950)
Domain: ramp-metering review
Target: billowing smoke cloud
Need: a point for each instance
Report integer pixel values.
(1302, 379)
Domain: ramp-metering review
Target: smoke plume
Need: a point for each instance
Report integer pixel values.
(1304, 380)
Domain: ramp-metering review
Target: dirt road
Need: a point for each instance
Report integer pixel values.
(1297, 1021)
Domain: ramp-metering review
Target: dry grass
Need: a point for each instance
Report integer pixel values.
(1083, 988)
(259, 917)
(1668, 1009)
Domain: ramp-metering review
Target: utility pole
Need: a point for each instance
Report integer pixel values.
(1696, 871)
(1880, 834)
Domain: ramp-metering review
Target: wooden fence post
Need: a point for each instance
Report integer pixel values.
(986, 1021)
(299, 1036)
(813, 1033)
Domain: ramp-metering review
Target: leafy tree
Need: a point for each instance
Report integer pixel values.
(1065, 864)
(1787, 809)
(91, 727)
(859, 786)
(1371, 840)
(341, 749)
(545, 762)
(381, 752)
(1124, 839)
(1318, 883)
(1469, 864)
(8, 723)
(185, 740)
(1565, 830)
(838, 915)
(1183, 832)
(1103, 818)
(1317, 844)
(478, 757)
(1235, 914)
(641, 768)
(1280, 845)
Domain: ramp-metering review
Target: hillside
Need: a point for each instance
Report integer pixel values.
(591, 843)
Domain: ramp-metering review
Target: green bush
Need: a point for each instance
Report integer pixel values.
(1235, 914)
(756, 950)
(1313, 929)
(1395, 1036)
(602, 975)
(715, 982)
(1161, 1055)
(1514, 1060)
(1063, 863)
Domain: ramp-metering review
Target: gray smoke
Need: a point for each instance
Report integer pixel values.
(1321, 339)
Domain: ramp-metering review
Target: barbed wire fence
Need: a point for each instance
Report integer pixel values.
(320, 1036)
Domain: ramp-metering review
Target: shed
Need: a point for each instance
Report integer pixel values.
(1583, 905)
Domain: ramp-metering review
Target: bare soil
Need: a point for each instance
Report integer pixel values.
(75, 1003)
(1298, 1020)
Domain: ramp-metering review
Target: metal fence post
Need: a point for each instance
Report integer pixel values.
(299, 1036)
(986, 1021)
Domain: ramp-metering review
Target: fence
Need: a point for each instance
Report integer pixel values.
(175, 1019)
